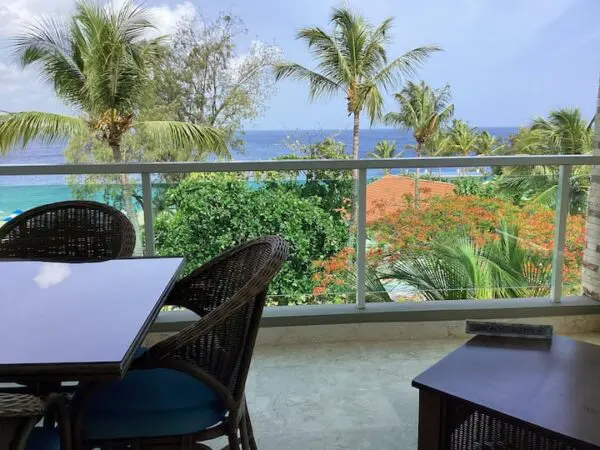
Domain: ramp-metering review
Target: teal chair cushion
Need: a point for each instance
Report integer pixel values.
(43, 439)
(151, 403)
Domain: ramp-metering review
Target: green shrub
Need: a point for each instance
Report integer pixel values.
(474, 186)
(206, 214)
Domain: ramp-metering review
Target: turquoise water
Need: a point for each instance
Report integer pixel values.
(27, 197)
(25, 192)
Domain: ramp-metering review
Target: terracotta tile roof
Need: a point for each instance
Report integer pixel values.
(387, 195)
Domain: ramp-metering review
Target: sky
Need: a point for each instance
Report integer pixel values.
(505, 60)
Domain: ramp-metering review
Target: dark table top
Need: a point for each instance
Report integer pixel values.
(556, 387)
(77, 321)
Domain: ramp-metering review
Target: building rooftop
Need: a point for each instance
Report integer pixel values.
(389, 194)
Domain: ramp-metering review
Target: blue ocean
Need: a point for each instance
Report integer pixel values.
(25, 192)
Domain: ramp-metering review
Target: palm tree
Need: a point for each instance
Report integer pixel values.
(488, 144)
(99, 64)
(352, 60)
(384, 150)
(461, 269)
(539, 184)
(565, 132)
(424, 111)
(460, 139)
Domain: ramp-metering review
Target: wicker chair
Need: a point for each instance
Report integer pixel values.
(189, 387)
(69, 231)
(20, 413)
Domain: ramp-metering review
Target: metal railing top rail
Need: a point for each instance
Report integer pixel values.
(304, 164)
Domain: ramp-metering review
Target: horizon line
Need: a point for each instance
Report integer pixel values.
(362, 129)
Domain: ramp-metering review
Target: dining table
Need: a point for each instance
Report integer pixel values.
(75, 322)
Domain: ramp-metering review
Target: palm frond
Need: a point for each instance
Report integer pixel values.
(461, 138)
(19, 129)
(421, 109)
(432, 277)
(319, 85)
(332, 62)
(565, 131)
(49, 44)
(459, 269)
(351, 33)
(403, 66)
(116, 56)
(385, 149)
(374, 55)
(133, 21)
(184, 135)
(375, 290)
(371, 99)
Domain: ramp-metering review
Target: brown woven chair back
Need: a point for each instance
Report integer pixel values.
(228, 293)
(68, 231)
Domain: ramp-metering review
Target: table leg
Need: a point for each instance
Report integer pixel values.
(431, 421)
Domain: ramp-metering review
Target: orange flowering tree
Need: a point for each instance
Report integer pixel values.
(410, 231)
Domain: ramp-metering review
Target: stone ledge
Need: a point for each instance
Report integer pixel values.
(408, 321)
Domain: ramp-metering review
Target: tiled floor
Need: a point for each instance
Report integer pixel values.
(341, 396)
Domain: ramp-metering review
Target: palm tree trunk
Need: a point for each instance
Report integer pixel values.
(127, 192)
(355, 132)
(591, 254)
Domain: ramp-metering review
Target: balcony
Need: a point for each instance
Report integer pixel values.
(338, 375)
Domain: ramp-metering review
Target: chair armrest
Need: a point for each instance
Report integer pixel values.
(192, 333)
(195, 291)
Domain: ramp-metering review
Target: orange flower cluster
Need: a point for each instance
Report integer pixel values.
(414, 229)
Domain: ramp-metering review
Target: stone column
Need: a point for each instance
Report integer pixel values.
(591, 253)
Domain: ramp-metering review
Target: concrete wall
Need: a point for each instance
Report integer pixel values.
(591, 254)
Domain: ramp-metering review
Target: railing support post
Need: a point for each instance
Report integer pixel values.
(361, 239)
(560, 231)
(147, 201)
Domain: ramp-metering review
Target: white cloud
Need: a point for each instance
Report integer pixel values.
(166, 17)
(16, 13)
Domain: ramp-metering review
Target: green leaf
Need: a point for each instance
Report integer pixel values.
(18, 129)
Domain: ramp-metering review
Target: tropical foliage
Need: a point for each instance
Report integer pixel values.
(204, 78)
(564, 131)
(385, 150)
(424, 111)
(141, 98)
(332, 187)
(460, 139)
(476, 221)
(470, 186)
(206, 214)
(539, 185)
(460, 268)
(99, 63)
(488, 144)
